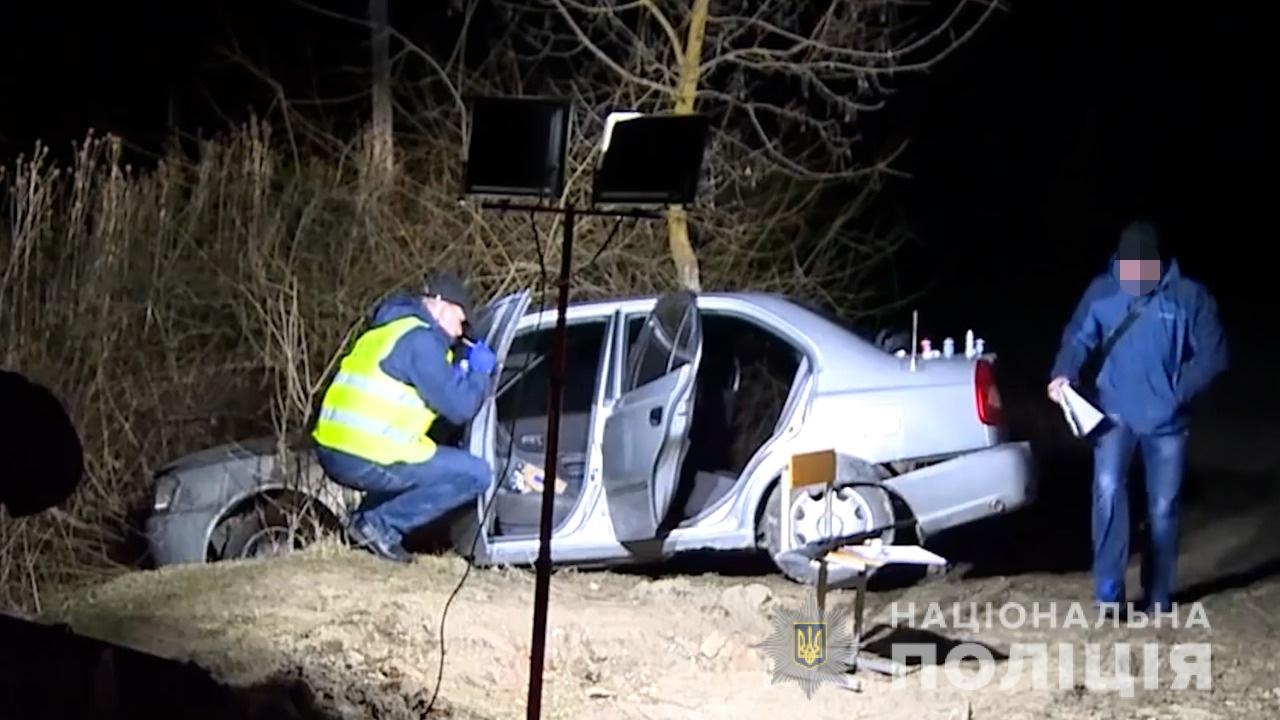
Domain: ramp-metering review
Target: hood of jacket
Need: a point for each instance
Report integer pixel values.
(399, 306)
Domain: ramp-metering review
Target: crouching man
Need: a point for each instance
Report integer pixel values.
(372, 427)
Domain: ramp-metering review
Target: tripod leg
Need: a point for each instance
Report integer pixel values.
(822, 589)
(859, 605)
(860, 590)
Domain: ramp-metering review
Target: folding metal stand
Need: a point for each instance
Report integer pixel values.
(858, 660)
(819, 469)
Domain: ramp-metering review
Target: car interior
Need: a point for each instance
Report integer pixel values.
(744, 378)
(743, 381)
(522, 421)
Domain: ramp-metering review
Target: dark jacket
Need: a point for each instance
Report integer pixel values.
(1163, 361)
(419, 360)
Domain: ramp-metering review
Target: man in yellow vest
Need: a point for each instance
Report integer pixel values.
(371, 433)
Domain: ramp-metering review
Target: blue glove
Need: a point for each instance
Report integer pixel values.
(481, 358)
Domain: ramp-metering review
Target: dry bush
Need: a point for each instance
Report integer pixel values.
(206, 299)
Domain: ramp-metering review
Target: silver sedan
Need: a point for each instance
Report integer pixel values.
(679, 417)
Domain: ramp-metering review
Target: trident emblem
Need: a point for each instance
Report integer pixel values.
(811, 644)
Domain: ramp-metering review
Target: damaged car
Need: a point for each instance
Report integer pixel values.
(679, 416)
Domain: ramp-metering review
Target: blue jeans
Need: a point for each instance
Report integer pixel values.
(404, 496)
(1164, 460)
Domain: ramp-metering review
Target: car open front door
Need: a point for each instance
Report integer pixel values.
(646, 432)
(496, 324)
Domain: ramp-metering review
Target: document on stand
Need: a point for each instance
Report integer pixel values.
(877, 555)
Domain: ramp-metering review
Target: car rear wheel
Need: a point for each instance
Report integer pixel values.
(853, 509)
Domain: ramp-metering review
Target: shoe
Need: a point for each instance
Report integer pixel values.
(363, 534)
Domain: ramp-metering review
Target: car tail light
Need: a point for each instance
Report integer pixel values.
(987, 394)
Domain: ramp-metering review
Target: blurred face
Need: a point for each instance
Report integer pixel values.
(449, 316)
(1139, 277)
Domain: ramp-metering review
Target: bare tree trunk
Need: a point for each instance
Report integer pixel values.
(686, 92)
(381, 143)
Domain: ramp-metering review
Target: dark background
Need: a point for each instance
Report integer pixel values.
(1035, 147)
(1030, 147)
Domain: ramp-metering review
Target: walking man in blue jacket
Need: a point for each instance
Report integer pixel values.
(1156, 338)
(372, 428)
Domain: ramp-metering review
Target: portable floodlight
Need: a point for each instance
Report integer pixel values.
(518, 146)
(650, 159)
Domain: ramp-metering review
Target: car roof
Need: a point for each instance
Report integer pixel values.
(776, 302)
(810, 322)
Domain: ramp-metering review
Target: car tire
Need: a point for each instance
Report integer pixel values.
(874, 507)
(268, 527)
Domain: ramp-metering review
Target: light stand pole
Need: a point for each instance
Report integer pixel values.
(542, 581)
(542, 566)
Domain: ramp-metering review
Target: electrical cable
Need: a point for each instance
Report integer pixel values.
(499, 477)
(605, 245)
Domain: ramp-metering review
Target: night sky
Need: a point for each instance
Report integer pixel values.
(1029, 148)
(1035, 147)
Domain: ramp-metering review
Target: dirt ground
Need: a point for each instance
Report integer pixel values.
(364, 634)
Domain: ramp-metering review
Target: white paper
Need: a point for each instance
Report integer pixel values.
(1081, 415)
(890, 555)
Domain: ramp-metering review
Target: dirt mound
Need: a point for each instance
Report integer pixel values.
(362, 635)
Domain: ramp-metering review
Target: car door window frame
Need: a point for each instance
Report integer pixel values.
(598, 385)
(776, 327)
(632, 486)
(672, 344)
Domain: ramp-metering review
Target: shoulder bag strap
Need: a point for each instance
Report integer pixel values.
(1135, 309)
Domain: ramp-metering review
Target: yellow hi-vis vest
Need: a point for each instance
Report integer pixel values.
(371, 415)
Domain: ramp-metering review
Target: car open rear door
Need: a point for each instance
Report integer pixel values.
(646, 432)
